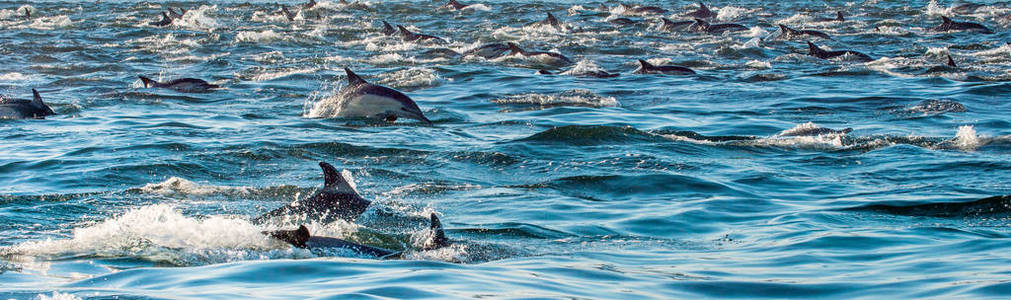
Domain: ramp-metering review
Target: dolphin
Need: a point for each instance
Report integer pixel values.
(165, 20)
(648, 68)
(25, 109)
(594, 73)
(551, 21)
(336, 200)
(623, 21)
(409, 36)
(814, 131)
(28, 13)
(949, 25)
(702, 13)
(387, 29)
(489, 51)
(669, 25)
(301, 238)
(456, 5)
(951, 62)
(838, 18)
(311, 4)
(641, 9)
(356, 5)
(176, 15)
(703, 26)
(184, 85)
(366, 100)
(820, 53)
(790, 33)
(966, 8)
(287, 13)
(515, 49)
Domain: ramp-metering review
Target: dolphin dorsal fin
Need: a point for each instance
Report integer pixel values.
(333, 179)
(551, 20)
(387, 27)
(404, 31)
(645, 65)
(354, 79)
(37, 99)
(514, 49)
(297, 237)
(784, 28)
(666, 21)
(951, 62)
(839, 17)
(945, 20)
(703, 7)
(812, 49)
(439, 239)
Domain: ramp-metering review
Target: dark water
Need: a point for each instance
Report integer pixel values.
(720, 184)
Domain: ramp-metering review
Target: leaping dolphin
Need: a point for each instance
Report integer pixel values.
(336, 200)
(820, 53)
(648, 68)
(702, 13)
(409, 36)
(949, 25)
(790, 33)
(184, 85)
(25, 109)
(365, 100)
(301, 238)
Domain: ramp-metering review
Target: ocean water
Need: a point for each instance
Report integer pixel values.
(741, 181)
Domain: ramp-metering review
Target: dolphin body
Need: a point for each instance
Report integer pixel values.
(25, 109)
(790, 33)
(669, 25)
(623, 21)
(703, 26)
(515, 49)
(336, 200)
(949, 25)
(165, 20)
(301, 238)
(821, 53)
(648, 68)
(365, 100)
(184, 85)
(456, 5)
(489, 51)
(409, 36)
(702, 13)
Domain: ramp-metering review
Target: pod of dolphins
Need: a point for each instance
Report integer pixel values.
(337, 199)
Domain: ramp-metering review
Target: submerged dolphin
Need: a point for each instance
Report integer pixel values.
(623, 21)
(648, 68)
(366, 100)
(949, 25)
(489, 51)
(336, 200)
(25, 109)
(185, 85)
(702, 13)
(790, 33)
(409, 36)
(387, 29)
(515, 49)
(821, 53)
(165, 20)
(640, 9)
(176, 15)
(301, 238)
(456, 5)
(703, 26)
(669, 25)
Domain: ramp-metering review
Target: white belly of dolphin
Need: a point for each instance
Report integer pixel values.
(368, 106)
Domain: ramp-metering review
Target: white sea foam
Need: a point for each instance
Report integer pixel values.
(57, 296)
(966, 138)
(175, 186)
(566, 98)
(412, 78)
(265, 36)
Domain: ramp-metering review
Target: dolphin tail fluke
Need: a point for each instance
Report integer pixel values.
(839, 16)
(333, 179)
(148, 82)
(353, 78)
(951, 62)
(297, 237)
